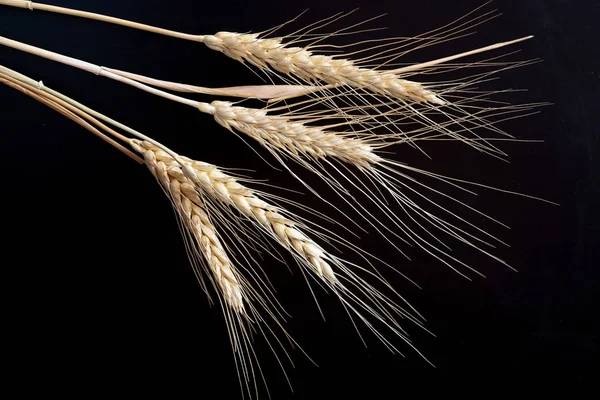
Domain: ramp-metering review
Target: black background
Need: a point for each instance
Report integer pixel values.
(100, 292)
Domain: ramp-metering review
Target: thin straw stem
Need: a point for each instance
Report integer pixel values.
(95, 69)
(55, 105)
(86, 109)
(70, 107)
(99, 17)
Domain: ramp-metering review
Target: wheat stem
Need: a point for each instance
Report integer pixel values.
(98, 17)
(63, 109)
(33, 83)
(95, 69)
(40, 93)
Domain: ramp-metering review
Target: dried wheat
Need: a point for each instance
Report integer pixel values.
(226, 189)
(356, 294)
(302, 63)
(187, 204)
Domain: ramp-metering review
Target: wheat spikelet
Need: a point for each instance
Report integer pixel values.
(186, 202)
(284, 134)
(302, 63)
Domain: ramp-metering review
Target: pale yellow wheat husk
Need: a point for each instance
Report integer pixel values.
(187, 204)
(302, 63)
(282, 133)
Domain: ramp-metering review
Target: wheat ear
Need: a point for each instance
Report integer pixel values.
(229, 195)
(302, 63)
(226, 189)
(186, 202)
(291, 136)
(181, 192)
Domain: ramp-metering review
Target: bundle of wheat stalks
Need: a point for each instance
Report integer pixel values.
(333, 115)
